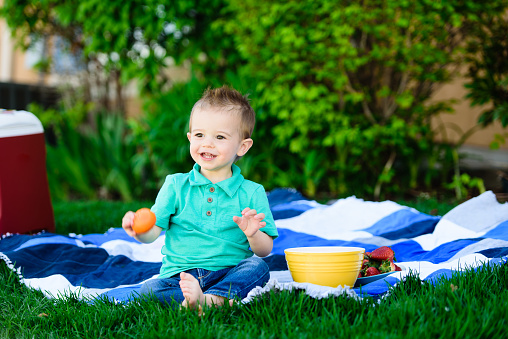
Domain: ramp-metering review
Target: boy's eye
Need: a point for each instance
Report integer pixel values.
(220, 137)
(199, 135)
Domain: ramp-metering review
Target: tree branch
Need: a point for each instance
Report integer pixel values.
(386, 169)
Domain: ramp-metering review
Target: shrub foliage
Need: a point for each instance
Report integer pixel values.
(341, 88)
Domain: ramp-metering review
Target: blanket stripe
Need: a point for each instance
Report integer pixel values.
(114, 265)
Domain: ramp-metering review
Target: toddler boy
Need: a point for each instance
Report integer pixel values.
(215, 220)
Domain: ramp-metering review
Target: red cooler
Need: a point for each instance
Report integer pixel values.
(25, 203)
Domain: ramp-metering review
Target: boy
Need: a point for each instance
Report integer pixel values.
(212, 215)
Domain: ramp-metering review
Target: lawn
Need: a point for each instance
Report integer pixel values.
(84, 217)
(470, 305)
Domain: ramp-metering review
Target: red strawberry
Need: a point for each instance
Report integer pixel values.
(387, 266)
(374, 263)
(366, 255)
(365, 263)
(383, 253)
(360, 274)
(397, 268)
(371, 271)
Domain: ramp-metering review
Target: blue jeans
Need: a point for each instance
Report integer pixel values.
(230, 283)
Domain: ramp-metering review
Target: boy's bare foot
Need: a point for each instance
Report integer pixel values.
(191, 290)
(193, 293)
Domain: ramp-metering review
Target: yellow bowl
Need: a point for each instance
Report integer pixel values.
(326, 265)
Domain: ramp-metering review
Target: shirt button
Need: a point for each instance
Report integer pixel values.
(209, 199)
(212, 189)
(208, 213)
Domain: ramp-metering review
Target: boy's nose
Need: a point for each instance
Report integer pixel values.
(208, 142)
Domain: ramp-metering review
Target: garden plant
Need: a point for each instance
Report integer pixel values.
(341, 88)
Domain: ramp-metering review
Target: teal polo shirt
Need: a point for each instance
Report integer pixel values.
(197, 216)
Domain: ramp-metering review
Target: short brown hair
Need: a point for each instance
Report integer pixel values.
(228, 100)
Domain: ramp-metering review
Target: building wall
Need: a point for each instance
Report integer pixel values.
(476, 155)
(14, 64)
(5, 52)
(464, 118)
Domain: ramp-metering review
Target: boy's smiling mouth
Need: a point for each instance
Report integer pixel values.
(208, 156)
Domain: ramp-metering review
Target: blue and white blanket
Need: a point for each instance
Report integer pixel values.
(114, 266)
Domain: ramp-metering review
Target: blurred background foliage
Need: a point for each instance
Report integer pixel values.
(341, 90)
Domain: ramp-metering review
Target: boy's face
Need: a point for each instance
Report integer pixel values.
(215, 142)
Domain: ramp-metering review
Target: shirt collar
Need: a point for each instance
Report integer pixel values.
(230, 185)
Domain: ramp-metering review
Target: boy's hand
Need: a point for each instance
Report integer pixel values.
(147, 237)
(250, 222)
(127, 222)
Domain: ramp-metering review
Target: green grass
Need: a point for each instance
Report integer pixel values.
(429, 205)
(468, 305)
(85, 217)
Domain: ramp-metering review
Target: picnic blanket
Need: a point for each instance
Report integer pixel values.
(114, 266)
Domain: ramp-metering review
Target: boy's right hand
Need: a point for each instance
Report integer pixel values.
(147, 237)
(127, 221)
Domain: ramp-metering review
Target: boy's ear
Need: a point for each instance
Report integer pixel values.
(188, 136)
(244, 147)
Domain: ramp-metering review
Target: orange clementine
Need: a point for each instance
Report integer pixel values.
(144, 220)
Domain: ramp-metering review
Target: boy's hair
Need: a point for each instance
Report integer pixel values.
(229, 100)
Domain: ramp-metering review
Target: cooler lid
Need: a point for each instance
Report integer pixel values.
(16, 123)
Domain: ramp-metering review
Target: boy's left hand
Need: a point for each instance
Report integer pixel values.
(250, 222)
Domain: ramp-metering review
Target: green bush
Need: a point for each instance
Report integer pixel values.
(91, 161)
(340, 89)
(162, 131)
(348, 84)
(487, 52)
